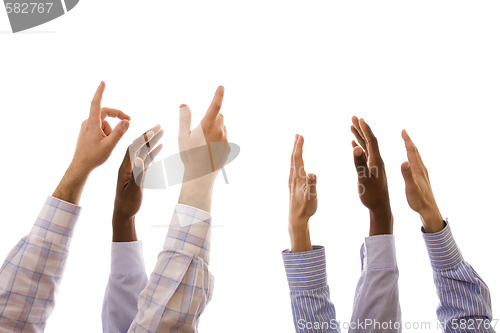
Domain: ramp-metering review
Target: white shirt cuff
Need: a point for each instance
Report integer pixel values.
(379, 252)
(127, 258)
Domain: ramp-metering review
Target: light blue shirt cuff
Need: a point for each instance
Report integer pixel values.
(127, 258)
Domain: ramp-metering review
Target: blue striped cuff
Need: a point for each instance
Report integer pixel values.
(305, 270)
(443, 251)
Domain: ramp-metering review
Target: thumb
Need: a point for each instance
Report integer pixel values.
(311, 185)
(184, 121)
(117, 133)
(138, 171)
(407, 173)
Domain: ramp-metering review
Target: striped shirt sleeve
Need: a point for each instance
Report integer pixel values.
(32, 271)
(181, 285)
(312, 309)
(465, 304)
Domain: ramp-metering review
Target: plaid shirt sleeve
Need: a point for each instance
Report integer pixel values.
(32, 271)
(181, 285)
(465, 302)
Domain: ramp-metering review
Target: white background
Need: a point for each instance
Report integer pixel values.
(289, 67)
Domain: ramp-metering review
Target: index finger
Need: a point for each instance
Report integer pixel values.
(114, 113)
(371, 140)
(215, 106)
(298, 161)
(95, 105)
(143, 139)
(411, 150)
(292, 169)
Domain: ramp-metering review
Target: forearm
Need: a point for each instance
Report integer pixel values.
(71, 186)
(123, 228)
(381, 221)
(300, 239)
(197, 193)
(432, 220)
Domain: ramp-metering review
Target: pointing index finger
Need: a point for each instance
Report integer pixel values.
(215, 106)
(95, 106)
(298, 161)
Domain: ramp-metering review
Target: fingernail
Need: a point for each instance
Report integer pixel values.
(358, 152)
(125, 124)
(137, 163)
(182, 106)
(406, 166)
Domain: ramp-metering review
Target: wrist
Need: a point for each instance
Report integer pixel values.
(298, 225)
(71, 186)
(298, 229)
(381, 222)
(206, 180)
(197, 193)
(121, 218)
(432, 220)
(300, 241)
(199, 186)
(124, 229)
(78, 169)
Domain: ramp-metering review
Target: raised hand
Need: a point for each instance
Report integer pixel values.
(303, 199)
(372, 179)
(95, 143)
(204, 150)
(129, 189)
(97, 139)
(418, 188)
